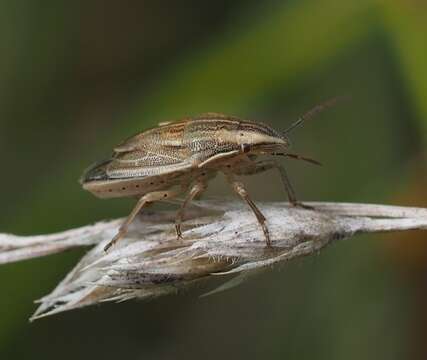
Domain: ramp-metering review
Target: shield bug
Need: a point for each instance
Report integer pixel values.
(181, 157)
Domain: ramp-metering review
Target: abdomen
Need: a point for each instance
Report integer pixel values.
(96, 180)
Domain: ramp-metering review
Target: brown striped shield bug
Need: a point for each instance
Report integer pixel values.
(181, 157)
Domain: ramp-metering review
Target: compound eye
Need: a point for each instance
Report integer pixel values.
(245, 148)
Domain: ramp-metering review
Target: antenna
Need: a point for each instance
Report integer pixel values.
(314, 111)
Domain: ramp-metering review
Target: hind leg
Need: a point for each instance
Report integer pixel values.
(144, 201)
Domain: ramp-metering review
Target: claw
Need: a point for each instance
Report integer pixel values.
(302, 205)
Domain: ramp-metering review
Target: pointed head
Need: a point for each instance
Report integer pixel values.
(258, 138)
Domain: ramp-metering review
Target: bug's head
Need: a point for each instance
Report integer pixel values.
(260, 139)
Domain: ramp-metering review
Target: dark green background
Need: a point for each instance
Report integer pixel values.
(78, 77)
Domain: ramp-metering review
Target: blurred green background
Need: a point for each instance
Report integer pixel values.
(78, 77)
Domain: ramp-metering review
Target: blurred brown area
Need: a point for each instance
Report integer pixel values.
(409, 249)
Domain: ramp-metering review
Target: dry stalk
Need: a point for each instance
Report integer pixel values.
(220, 238)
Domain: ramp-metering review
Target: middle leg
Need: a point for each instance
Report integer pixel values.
(196, 190)
(239, 188)
(144, 201)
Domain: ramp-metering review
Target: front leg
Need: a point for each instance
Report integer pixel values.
(263, 165)
(289, 189)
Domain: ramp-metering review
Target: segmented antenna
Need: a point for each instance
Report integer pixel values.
(314, 111)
